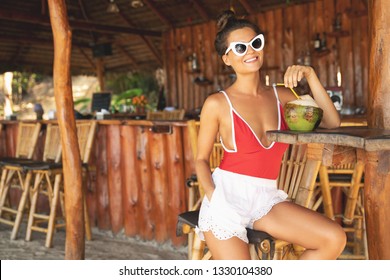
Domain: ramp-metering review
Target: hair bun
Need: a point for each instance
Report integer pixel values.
(224, 18)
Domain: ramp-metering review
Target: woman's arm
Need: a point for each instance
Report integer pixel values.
(209, 124)
(331, 118)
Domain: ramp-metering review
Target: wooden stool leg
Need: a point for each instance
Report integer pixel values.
(3, 197)
(34, 199)
(190, 244)
(326, 194)
(2, 182)
(4, 187)
(87, 224)
(53, 210)
(88, 232)
(21, 206)
(197, 248)
(252, 252)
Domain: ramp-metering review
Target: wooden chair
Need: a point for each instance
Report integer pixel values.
(295, 168)
(155, 115)
(261, 243)
(349, 178)
(174, 114)
(292, 180)
(48, 181)
(14, 177)
(166, 115)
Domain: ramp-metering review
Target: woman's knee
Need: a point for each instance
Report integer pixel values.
(336, 239)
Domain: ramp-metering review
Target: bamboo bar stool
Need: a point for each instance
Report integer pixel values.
(261, 243)
(292, 179)
(49, 182)
(348, 177)
(166, 115)
(13, 177)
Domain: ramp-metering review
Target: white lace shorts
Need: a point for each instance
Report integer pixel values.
(237, 202)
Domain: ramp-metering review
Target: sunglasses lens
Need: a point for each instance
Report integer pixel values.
(256, 44)
(240, 48)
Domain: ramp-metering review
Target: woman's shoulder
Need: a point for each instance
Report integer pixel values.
(215, 99)
(215, 103)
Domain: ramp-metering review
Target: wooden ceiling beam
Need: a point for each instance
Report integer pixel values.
(132, 60)
(77, 24)
(162, 17)
(37, 41)
(201, 10)
(87, 58)
(247, 6)
(18, 51)
(147, 42)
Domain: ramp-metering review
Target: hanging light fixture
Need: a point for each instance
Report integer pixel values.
(136, 4)
(231, 7)
(112, 7)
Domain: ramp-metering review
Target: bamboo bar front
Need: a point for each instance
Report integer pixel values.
(136, 177)
(140, 179)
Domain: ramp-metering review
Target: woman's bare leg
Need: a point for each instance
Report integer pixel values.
(322, 237)
(230, 249)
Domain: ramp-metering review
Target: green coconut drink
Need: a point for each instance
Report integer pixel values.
(302, 114)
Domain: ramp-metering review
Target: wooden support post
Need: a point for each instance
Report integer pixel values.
(100, 73)
(379, 68)
(376, 203)
(62, 35)
(377, 169)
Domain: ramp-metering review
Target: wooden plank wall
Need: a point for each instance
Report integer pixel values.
(290, 33)
(140, 181)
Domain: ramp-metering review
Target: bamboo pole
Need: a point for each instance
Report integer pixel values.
(62, 35)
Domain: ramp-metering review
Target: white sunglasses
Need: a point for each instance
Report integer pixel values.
(240, 48)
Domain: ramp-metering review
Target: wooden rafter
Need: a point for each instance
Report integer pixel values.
(132, 60)
(20, 49)
(201, 10)
(38, 41)
(147, 42)
(77, 24)
(87, 58)
(43, 7)
(162, 17)
(248, 8)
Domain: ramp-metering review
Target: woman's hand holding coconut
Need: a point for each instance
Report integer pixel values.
(294, 74)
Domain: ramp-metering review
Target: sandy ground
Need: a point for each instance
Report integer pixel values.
(104, 246)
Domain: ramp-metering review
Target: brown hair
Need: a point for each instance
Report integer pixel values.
(226, 23)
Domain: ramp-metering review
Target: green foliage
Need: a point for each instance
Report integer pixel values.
(126, 86)
(124, 98)
(82, 104)
(22, 82)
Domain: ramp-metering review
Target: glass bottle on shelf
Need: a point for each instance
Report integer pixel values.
(195, 66)
(323, 42)
(161, 102)
(307, 58)
(317, 42)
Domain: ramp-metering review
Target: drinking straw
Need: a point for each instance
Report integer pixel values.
(293, 91)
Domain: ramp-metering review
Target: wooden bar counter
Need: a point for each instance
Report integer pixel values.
(137, 176)
(373, 147)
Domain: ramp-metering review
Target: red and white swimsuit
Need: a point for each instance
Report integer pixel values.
(245, 182)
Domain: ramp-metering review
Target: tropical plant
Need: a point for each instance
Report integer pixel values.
(82, 104)
(127, 86)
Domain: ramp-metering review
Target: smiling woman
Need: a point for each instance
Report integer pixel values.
(242, 192)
